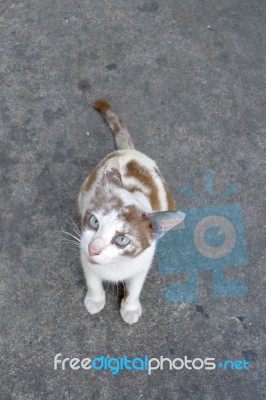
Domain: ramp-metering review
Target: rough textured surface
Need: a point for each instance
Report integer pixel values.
(188, 77)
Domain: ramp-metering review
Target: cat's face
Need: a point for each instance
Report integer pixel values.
(112, 230)
(114, 225)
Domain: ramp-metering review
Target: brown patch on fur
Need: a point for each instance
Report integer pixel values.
(131, 188)
(106, 203)
(122, 137)
(113, 204)
(134, 169)
(102, 200)
(115, 122)
(170, 200)
(138, 226)
(101, 106)
(86, 220)
(91, 179)
(114, 177)
(94, 173)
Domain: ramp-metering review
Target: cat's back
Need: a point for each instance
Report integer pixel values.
(139, 173)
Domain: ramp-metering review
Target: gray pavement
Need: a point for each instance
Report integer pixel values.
(188, 77)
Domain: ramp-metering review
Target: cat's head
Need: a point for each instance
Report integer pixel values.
(115, 225)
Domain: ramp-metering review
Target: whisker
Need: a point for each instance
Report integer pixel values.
(71, 223)
(70, 234)
(71, 241)
(75, 227)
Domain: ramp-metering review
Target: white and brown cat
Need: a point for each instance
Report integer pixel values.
(125, 206)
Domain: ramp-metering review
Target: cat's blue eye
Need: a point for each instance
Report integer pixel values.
(94, 223)
(121, 240)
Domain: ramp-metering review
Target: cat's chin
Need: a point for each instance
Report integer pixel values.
(94, 260)
(91, 261)
(99, 261)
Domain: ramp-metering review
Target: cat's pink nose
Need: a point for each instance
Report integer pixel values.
(93, 252)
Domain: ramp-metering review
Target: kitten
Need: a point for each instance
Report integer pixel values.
(123, 204)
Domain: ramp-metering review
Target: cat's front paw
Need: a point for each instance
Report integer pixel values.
(129, 315)
(92, 306)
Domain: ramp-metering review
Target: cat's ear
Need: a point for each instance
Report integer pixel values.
(111, 173)
(161, 222)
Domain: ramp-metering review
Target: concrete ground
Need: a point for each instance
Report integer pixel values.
(188, 77)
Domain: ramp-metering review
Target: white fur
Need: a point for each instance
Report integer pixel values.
(110, 265)
(132, 270)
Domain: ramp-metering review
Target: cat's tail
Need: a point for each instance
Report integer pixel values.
(121, 135)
